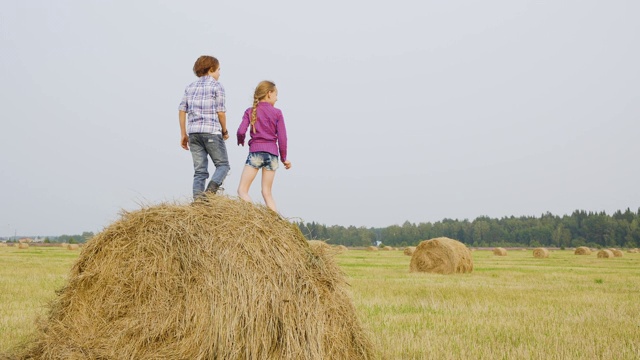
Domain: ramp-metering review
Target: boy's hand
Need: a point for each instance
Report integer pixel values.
(225, 136)
(184, 142)
(287, 164)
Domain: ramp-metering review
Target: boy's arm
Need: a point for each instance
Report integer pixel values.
(222, 117)
(184, 138)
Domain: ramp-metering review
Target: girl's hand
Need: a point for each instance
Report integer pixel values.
(287, 164)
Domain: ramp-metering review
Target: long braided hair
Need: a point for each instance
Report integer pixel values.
(262, 90)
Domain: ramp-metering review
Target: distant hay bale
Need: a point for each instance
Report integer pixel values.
(540, 253)
(605, 254)
(387, 248)
(342, 248)
(372, 248)
(64, 245)
(632, 251)
(409, 250)
(500, 251)
(617, 253)
(23, 245)
(3, 244)
(221, 279)
(73, 247)
(442, 256)
(582, 250)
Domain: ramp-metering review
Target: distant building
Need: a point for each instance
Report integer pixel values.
(25, 241)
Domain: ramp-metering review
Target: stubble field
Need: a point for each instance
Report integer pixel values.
(513, 307)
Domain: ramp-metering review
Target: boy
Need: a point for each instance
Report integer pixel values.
(203, 125)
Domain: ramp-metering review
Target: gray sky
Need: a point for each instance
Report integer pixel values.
(396, 110)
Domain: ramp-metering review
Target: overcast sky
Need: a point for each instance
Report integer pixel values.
(395, 110)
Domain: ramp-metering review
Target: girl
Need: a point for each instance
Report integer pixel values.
(268, 139)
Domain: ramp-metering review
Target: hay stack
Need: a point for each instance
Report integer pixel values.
(617, 253)
(23, 245)
(64, 245)
(442, 256)
(3, 244)
(632, 251)
(222, 279)
(409, 250)
(582, 250)
(540, 253)
(342, 248)
(500, 251)
(372, 248)
(73, 247)
(605, 254)
(387, 248)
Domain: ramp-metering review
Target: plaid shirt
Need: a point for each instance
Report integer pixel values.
(202, 101)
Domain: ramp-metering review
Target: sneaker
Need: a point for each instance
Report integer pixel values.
(212, 187)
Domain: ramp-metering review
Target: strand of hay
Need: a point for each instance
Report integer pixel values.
(605, 254)
(442, 256)
(617, 253)
(372, 248)
(221, 279)
(409, 250)
(582, 250)
(23, 245)
(73, 247)
(540, 253)
(500, 251)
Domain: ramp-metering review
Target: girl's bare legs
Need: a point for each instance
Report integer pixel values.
(248, 174)
(267, 182)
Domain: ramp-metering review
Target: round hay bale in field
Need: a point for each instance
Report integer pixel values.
(632, 251)
(372, 248)
(73, 247)
(617, 253)
(64, 245)
(219, 279)
(387, 248)
(342, 248)
(3, 244)
(500, 251)
(409, 250)
(442, 256)
(582, 250)
(23, 245)
(605, 254)
(540, 253)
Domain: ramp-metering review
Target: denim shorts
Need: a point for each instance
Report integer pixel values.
(262, 159)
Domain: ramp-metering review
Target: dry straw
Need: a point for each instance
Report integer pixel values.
(23, 245)
(3, 244)
(605, 254)
(222, 279)
(409, 250)
(540, 253)
(387, 248)
(342, 248)
(73, 247)
(442, 256)
(582, 250)
(500, 251)
(617, 253)
(372, 248)
(632, 251)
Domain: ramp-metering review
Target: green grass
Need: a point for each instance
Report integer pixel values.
(513, 307)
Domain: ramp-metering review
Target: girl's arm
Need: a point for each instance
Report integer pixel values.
(242, 129)
(282, 138)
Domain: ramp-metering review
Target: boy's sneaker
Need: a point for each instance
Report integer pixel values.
(212, 187)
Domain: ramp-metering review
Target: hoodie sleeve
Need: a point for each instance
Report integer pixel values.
(282, 137)
(242, 129)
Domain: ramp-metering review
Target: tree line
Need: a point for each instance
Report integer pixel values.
(581, 228)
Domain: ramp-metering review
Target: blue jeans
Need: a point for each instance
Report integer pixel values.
(201, 145)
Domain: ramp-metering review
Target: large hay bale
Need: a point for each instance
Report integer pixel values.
(23, 245)
(605, 254)
(372, 248)
(540, 253)
(500, 251)
(221, 279)
(442, 256)
(409, 250)
(582, 250)
(617, 253)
